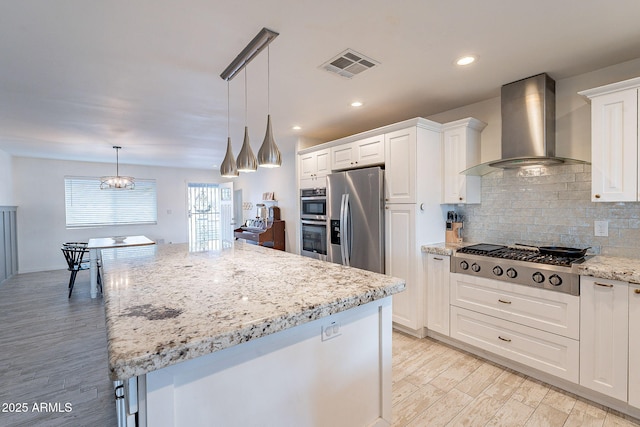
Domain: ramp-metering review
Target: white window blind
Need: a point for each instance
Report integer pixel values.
(88, 206)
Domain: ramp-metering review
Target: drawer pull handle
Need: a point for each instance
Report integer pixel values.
(504, 302)
(605, 285)
(597, 196)
(637, 291)
(437, 259)
(504, 339)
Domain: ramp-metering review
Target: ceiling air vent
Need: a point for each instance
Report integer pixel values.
(349, 63)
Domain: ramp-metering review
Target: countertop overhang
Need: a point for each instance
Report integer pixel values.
(165, 304)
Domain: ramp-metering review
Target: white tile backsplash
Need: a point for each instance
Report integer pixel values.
(550, 206)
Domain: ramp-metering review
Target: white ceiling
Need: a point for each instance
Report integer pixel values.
(79, 76)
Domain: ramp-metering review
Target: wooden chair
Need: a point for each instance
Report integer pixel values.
(74, 253)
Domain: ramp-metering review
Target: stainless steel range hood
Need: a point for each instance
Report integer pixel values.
(528, 127)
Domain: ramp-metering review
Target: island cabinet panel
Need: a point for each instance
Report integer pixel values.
(634, 345)
(334, 371)
(604, 335)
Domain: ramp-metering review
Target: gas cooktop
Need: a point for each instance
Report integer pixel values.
(519, 253)
(520, 265)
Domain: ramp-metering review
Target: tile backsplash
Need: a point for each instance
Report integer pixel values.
(550, 206)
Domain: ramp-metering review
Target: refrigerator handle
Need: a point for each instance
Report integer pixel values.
(349, 231)
(343, 229)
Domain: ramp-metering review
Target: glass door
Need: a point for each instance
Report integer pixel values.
(204, 216)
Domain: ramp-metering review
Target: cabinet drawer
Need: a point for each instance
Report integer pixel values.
(541, 350)
(542, 309)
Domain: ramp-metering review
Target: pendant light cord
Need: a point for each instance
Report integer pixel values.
(268, 79)
(228, 112)
(245, 96)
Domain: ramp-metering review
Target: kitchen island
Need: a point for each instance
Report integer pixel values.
(247, 336)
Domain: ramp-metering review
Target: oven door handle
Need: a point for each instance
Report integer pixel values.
(312, 222)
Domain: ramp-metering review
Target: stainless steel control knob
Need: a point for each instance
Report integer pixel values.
(555, 280)
(538, 277)
(512, 273)
(497, 270)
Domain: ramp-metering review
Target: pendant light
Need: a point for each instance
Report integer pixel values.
(117, 182)
(228, 168)
(246, 161)
(269, 154)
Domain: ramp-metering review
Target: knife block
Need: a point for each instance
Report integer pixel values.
(453, 233)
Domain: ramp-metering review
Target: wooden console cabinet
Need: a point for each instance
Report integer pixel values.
(272, 237)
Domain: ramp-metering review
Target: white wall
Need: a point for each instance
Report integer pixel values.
(6, 179)
(39, 194)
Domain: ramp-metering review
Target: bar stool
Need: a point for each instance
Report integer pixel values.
(74, 255)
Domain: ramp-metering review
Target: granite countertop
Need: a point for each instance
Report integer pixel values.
(608, 267)
(445, 249)
(165, 305)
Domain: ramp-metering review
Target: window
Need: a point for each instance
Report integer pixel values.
(88, 206)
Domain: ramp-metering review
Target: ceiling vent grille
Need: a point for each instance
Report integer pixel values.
(349, 63)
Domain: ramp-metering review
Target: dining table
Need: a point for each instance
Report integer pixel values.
(95, 245)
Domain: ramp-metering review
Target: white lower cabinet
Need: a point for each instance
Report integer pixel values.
(604, 336)
(634, 345)
(400, 248)
(536, 327)
(437, 303)
(549, 311)
(547, 352)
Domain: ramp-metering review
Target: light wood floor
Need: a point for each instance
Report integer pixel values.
(53, 350)
(436, 385)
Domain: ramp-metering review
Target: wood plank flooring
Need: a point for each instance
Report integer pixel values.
(437, 385)
(53, 350)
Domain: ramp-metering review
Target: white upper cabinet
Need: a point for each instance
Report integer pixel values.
(461, 150)
(357, 154)
(314, 167)
(614, 142)
(400, 166)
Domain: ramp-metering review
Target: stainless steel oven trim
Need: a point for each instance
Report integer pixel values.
(309, 253)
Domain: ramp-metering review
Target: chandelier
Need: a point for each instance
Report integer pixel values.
(117, 182)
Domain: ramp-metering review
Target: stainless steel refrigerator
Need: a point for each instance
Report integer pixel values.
(356, 218)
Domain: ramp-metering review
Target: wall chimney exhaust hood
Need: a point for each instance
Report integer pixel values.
(528, 109)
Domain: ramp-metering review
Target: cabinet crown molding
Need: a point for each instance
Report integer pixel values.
(611, 88)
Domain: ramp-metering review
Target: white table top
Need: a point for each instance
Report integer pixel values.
(119, 242)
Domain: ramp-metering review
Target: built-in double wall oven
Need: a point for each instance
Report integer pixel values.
(313, 220)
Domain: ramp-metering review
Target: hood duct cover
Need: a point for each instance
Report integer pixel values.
(528, 109)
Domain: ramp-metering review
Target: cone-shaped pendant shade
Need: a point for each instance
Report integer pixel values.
(228, 167)
(246, 161)
(269, 154)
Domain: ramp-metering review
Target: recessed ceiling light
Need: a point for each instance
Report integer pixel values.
(356, 104)
(296, 127)
(466, 60)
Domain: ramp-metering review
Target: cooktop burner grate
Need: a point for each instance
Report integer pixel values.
(519, 254)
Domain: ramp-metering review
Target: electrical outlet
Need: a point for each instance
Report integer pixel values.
(330, 331)
(601, 228)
